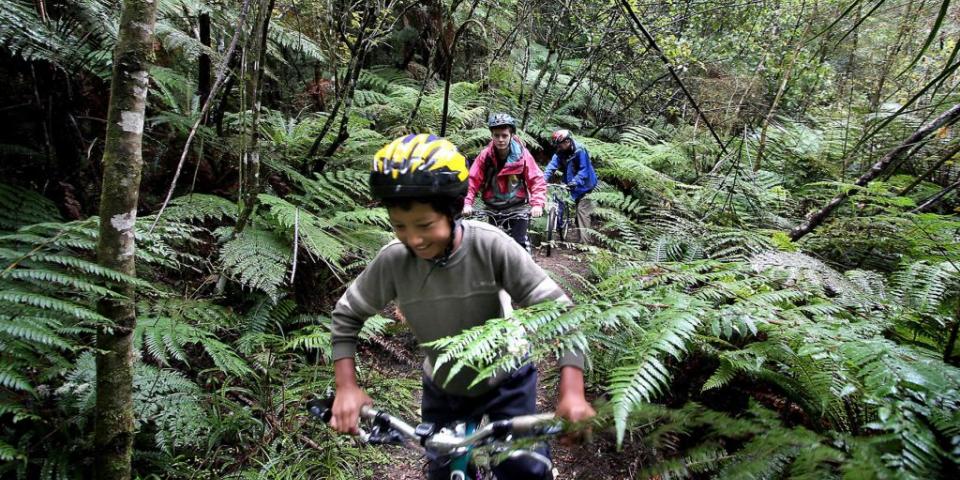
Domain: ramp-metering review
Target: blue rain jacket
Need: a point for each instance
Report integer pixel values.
(576, 168)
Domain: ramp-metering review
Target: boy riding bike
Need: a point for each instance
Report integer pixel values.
(447, 276)
(507, 178)
(573, 162)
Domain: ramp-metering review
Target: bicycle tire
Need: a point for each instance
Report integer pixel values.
(551, 227)
(562, 229)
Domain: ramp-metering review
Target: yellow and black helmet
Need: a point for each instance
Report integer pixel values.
(421, 165)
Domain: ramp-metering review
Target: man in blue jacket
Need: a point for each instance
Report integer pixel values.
(573, 161)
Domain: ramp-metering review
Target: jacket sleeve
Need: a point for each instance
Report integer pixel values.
(366, 296)
(584, 173)
(551, 167)
(536, 185)
(475, 181)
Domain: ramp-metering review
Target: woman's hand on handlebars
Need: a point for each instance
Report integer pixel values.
(536, 211)
(346, 409)
(467, 210)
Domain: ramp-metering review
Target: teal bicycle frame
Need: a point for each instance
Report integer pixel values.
(460, 466)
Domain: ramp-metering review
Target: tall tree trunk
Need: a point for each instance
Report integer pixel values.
(343, 133)
(253, 74)
(449, 67)
(122, 164)
(534, 87)
(526, 68)
(552, 43)
(552, 80)
(423, 85)
(203, 70)
(643, 33)
(813, 221)
(585, 68)
(345, 90)
(892, 55)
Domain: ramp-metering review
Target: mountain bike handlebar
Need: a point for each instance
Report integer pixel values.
(387, 429)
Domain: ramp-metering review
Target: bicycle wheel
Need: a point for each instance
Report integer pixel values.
(563, 222)
(551, 228)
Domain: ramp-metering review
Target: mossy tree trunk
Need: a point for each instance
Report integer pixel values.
(122, 163)
(253, 75)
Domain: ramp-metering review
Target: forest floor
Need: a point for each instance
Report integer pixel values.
(397, 356)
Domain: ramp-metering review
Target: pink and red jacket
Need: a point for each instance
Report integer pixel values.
(519, 181)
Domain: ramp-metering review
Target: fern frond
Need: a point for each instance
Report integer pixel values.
(257, 259)
(641, 376)
(197, 206)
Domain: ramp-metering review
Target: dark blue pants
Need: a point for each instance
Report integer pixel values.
(517, 395)
(517, 225)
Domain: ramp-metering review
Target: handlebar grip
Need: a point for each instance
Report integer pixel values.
(322, 408)
(529, 422)
(366, 411)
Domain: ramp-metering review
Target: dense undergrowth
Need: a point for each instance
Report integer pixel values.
(718, 346)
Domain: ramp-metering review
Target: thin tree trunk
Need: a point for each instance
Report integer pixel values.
(253, 73)
(221, 73)
(533, 88)
(344, 91)
(787, 74)
(948, 350)
(521, 18)
(423, 85)
(343, 133)
(526, 68)
(891, 57)
(551, 81)
(813, 221)
(934, 200)
(203, 71)
(592, 57)
(222, 105)
(551, 41)
(449, 68)
(622, 111)
(943, 159)
(122, 165)
(636, 25)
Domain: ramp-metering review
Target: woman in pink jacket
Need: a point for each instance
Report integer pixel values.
(508, 180)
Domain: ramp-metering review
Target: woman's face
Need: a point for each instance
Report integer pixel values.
(501, 138)
(421, 228)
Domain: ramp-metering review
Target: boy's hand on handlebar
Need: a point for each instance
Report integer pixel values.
(572, 405)
(346, 409)
(536, 212)
(575, 409)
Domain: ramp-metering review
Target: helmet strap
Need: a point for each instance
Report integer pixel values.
(442, 259)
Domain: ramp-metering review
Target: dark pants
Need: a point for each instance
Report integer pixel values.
(517, 395)
(517, 225)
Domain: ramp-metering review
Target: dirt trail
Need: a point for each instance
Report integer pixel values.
(398, 357)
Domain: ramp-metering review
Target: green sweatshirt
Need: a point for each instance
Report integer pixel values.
(477, 284)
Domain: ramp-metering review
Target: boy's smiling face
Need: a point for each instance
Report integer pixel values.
(421, 228)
